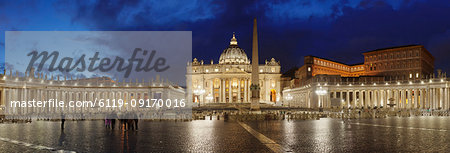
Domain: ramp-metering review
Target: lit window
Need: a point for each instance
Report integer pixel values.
(417, 75)
(207, 70)
(261, 70)
(216, 70)
(410, 75)
(309, 69)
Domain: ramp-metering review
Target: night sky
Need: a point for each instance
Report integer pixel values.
(288, 30)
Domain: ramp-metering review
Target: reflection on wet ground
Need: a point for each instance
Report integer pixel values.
(414, 134)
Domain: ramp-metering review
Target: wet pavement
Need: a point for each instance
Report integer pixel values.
(413, 134)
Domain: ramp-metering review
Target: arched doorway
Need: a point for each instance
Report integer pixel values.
(273, 95)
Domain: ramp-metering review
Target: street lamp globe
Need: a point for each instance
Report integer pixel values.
(321, 91)
(288, 97)
(209, 97)
(199, 91)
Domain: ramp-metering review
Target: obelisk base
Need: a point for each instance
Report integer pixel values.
(254, 107)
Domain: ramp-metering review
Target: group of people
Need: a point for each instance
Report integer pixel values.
(126, 121)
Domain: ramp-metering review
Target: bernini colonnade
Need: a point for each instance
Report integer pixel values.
(419, 94)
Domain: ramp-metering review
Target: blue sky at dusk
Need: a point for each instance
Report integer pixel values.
(288, 30)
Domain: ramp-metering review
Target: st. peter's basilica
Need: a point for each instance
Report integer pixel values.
(229, 80)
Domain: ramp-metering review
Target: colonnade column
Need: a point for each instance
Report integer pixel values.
(415, 98)
(446, 100)
(396, 98)
(421, 98)
(433, 98)
(379, 98)
(408, 98)
(347, 96)
(361, 98)
(367, 99)
(441, 97)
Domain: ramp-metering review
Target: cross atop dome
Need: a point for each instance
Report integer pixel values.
(233, 40)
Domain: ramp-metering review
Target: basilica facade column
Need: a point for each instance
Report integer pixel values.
(239, 91)
(224, 100)
(230, 95)
(211, 86)
(245, 89)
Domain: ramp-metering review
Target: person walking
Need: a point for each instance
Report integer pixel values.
(136, 120)
(113, 120)
(107, 123)
(63, 119)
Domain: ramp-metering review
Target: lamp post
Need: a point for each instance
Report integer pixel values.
(288, 97)
(199, 91)
(209, 97)
(320, 92)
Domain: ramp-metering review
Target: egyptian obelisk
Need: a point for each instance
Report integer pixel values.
(255, 71)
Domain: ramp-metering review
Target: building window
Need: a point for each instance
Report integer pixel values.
(410, 75)
(309, 69)
(417, 75)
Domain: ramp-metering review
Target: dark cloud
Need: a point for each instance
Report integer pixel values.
(288, 29)
(134, 14)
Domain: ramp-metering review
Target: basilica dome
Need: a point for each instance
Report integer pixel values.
(233, 54)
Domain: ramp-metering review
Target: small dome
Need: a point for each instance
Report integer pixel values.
(233, 54)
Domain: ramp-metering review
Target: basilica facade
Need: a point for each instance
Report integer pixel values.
(229, 80)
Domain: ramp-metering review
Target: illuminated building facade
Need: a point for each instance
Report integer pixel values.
(399, 63)
(36, 86)
(412, 62)
(398, 77)
(229, 80)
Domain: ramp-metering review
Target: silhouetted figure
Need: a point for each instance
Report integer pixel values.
(113, 120)
(136, 120)
(63, 119)
(130, 124)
